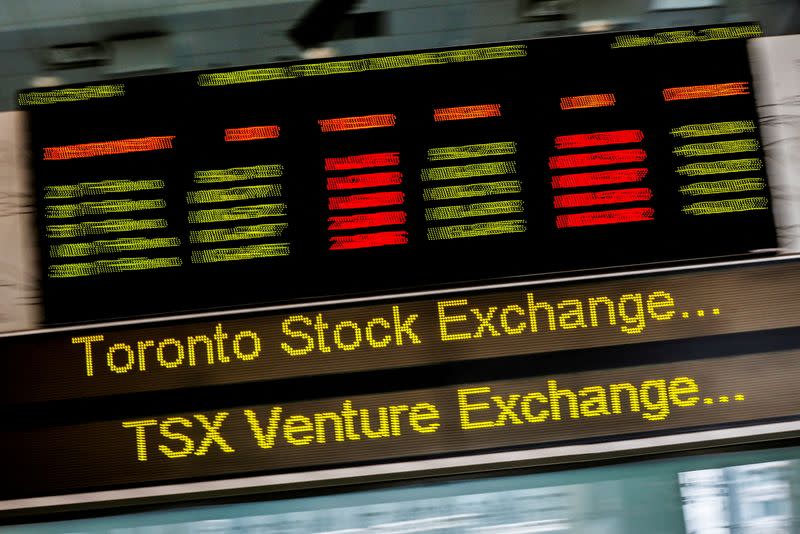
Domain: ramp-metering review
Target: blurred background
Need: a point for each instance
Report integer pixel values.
(722, 491)
(53, 42)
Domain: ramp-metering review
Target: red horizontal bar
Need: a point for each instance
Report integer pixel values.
(588, 101)
(379, 239)
(379, 159)
(706, 91)
(357, 123)
(595, 218)
(252, 133)
(357, 181)
(466, 112)
(589, 159)
(366, 220)
(617, 196)
(586, 179)
(107, 148)
(367, 200)
(616, 137)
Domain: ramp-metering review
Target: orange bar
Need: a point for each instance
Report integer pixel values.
(107, 148)
(466, 112)
(252, 133)
(706, 91)
(357, 123)
(588, 101)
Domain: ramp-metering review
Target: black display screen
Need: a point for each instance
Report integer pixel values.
(358, 175)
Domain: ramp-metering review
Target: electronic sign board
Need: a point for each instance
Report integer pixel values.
(367, 174)
(296, 388)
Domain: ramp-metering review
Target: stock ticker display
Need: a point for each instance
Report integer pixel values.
(354, 175)
(106, 407)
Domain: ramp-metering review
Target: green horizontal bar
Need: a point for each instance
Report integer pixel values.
(715, 207)
(249, 252)
(718, 147)
(720, 167)
(86, 189)
(237, 213)
(236, 233)
(714, 128)
(94, 268)
(501, 148)
(352, 66)
(461, 231)
(723, 186)
(70, 94)
(108, 226)
(248, 192)
(505, 187)
(238, 173)
(468, 171)
(111, 246)
(101, 207)
(479, 209)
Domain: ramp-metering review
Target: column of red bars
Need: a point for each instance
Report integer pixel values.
(600, 188)
(357, 212)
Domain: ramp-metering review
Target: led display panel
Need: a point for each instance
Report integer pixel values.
(604, 359)
(378, 173)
